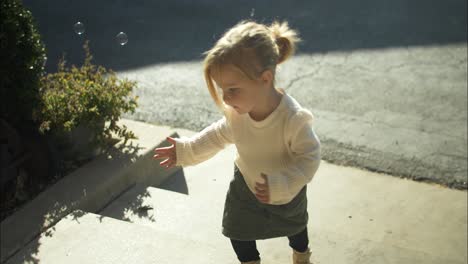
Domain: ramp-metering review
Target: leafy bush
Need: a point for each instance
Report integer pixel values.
(89, 95)
(22, 58)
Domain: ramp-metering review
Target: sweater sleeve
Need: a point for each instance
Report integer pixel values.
(305, 148)
(204, 145)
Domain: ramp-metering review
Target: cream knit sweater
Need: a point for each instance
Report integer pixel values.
(283, 146)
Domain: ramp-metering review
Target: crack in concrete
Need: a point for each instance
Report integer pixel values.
(396, 67)
(452, 65)
(311, 74)
(351, 68)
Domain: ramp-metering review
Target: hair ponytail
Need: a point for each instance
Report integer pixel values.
(285, 39)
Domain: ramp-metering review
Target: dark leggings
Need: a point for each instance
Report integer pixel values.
(247, 250)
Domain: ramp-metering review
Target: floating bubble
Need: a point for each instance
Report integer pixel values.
(252, 12)
(79, 28)
(122, 38)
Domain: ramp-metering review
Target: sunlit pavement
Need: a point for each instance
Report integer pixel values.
(355, 217)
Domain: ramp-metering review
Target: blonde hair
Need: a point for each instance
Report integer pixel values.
(252, 48)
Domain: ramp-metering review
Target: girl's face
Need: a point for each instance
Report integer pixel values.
(238, 91)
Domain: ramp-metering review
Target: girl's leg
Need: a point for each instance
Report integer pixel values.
(299, 242)
(246, 250)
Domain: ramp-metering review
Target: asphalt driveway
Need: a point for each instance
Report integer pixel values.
(385, 79)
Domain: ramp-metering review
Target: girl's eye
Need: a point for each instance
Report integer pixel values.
(232, 90)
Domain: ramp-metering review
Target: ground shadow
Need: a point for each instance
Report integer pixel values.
(134, 198)
(176, 183)
(52, 212)
(181, 30)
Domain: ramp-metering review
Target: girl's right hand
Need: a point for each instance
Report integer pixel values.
(168, 153)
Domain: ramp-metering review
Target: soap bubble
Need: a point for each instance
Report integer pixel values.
(252, 12)
(122, 38)
(79, 28)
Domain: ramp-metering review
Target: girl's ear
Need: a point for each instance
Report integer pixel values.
(267, 77)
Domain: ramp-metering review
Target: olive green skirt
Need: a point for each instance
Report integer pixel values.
(245, 218)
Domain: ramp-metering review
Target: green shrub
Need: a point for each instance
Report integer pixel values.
(89, 95)
(22, 58)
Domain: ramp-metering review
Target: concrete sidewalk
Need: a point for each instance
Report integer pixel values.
(356, 216)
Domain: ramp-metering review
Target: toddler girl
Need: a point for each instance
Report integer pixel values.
(278, 152)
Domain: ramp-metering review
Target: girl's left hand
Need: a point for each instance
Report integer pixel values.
(262, 191)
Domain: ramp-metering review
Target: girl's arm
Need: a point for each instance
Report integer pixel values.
(305, 148)
(204, 145)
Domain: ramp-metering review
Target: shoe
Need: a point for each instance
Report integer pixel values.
(302, 258)
(252, 262)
